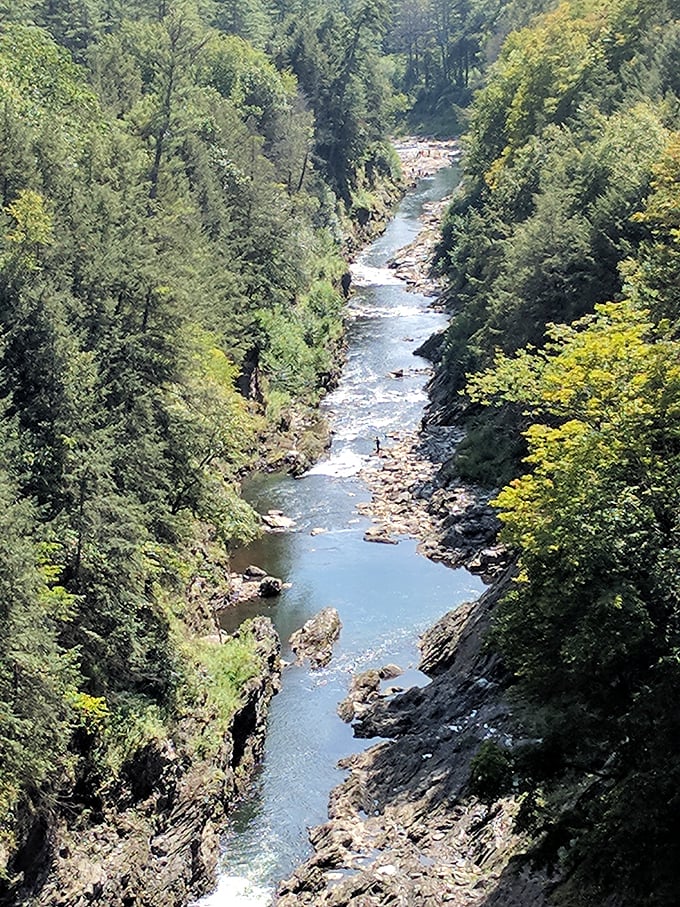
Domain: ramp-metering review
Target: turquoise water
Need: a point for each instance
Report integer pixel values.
(386, 595)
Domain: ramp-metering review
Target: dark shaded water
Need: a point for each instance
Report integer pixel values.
(386, 595)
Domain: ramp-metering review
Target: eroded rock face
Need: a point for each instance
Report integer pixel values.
(315, 640)
(403, 830)
(363, 688)
(157, 844)
(414, 495)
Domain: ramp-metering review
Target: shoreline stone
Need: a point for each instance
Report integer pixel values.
(403, 828)
(277, 521)
(248, 586)
(413, 496)
(157, 844)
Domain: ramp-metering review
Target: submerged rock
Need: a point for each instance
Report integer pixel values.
(379, 534)
(315, 640)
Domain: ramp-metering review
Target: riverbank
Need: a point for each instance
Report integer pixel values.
(154, 841)
(405, 827)
(414, 489)
(415, 495)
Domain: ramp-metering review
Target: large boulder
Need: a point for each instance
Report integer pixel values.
(316, 638)
(363, 689)
(270, 587)
(277, 521)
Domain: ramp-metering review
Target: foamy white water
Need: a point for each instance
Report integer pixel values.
(367, 276)
(236, 891)
(344, 464)
(359, 309)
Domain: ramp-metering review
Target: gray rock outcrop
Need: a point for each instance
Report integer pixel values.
(316, 638)
(156, 843)
(404, 830)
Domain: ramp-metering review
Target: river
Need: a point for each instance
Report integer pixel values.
(386, 595)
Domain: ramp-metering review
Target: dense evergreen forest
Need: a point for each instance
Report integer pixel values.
(563, 353)
(179, 179)
(175, 192)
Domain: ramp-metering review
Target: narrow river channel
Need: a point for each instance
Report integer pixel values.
(386, 595)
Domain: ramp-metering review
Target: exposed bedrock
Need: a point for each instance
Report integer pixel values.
(156, 843)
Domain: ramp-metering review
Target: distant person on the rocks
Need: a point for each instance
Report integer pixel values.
(377, 445)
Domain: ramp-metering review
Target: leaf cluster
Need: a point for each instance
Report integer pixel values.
(169, 272)
(561, 252)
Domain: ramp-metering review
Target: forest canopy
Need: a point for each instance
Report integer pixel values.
(561, 252)
(179, 180)
(176, 189)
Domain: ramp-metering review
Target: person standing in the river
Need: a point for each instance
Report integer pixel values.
(377, 446)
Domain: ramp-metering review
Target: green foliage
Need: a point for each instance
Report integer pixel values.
(570, 138)
(589, 629)
(220, 674)
(168, 253)
(653, 279)
(300, 349)
(39, 80)
(37, 677)
(440, 49)
(491, 449)
(491, 772)
(560, 155)
(334, 54)
(126, 730)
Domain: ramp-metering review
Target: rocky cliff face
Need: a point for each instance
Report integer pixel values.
(157, 845)
(404, 829)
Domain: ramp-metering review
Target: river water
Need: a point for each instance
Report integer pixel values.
(386, 595)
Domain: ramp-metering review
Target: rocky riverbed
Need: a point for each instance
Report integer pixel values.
(414, 495)
(422, 158)
(415, 491)
(405, 829)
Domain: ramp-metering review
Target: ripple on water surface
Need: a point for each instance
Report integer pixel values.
(237, 891)
(386, 595)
